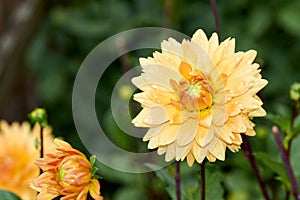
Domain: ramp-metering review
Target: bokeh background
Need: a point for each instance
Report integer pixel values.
(43, 43)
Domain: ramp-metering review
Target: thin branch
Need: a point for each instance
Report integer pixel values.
(246, 147)
(177, 180)
(287, 163)
(216, 17)
(294, 114)
(42, 143)
(202, 181)
(42, 146)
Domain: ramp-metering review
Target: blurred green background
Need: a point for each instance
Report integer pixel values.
(53, 43)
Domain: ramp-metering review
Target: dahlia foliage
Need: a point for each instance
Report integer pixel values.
(198, 97)
(67, 173)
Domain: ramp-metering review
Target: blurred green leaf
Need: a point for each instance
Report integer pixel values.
(129, 193)
(283, 123)
(167, 175)
(274, 166)
(259, 21)
(289, 15)
(296, 128)
(295, 156)
(5, 195)
(213, 184)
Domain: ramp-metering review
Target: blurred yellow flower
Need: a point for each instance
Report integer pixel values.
(67, 172)
(198, 97)
(19, 149)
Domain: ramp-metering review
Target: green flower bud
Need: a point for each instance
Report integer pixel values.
(295, 91)
(38, 115)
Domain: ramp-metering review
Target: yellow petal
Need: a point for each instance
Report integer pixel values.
(167, 58)
(189, 51)
(182, 151)
(211, 157)
(213, 43)
(171, 153)
(152, 75)
(161, 150)
(249, 56)
(153, 131)
(187, 132)
(205, 136)
(201, 135)
(232, 108)
(237, 140)
(199, 152)
(236, 124)
(200, 39)
(190, 159)
(95, 190)
(219, 115)
(168, 134)
(172, 46)
(234, 148)
(229, 65)
(185, 70)
(218, 150)
(226, 135)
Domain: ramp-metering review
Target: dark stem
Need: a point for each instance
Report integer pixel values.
(246, 147)
(168, 8)
(216, 17)
(287, 163)
(42, 143)
(42, 146)
(177, 180)
(287, 195)
(202, 181)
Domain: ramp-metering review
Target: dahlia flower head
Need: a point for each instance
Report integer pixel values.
(19, 147)
(66, 173)
(198, 97)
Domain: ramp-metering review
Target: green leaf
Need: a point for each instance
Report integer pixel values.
(167, 175)
(92, 160)
(214, 189)
(274, 166)
(5, 195)
(213, 186)
(295, 156)
(296, 128)
(280, 121)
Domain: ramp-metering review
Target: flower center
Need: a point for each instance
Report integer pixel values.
(194, 91)
(73, 172)
(61, 173)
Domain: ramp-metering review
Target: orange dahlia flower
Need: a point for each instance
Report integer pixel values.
(19, 147)
(67, 173)
(198, 97)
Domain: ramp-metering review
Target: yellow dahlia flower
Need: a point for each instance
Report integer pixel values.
(18, 151)
(67, 173)
(198, 97)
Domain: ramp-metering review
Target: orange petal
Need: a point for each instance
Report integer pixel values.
(95, 190)
(185, 70)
